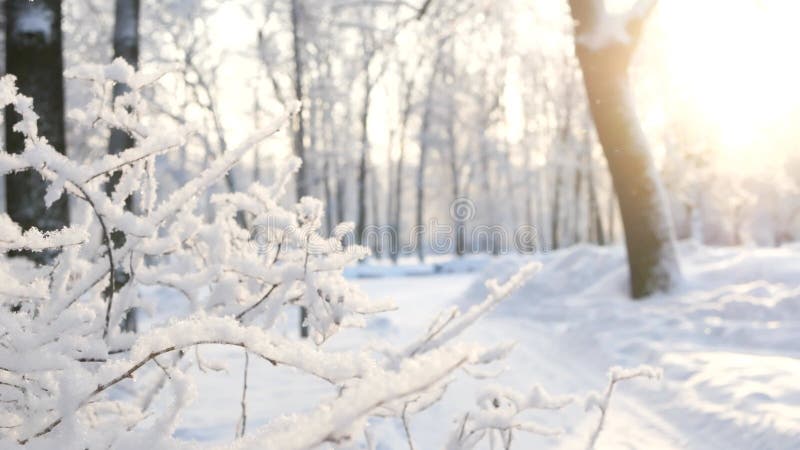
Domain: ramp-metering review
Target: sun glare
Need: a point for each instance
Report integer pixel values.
(734, 65)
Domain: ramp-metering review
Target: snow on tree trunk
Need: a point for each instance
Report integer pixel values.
(604, 45)
(33, 55)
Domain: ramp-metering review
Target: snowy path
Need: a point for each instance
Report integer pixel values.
(727, 341)
(538, 358)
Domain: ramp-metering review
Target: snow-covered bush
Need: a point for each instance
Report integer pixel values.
(63, 355)
(64, 358)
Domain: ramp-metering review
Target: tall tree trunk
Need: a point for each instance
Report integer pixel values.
(529, 187)
(563, 144)
(423, 162)
(374, 187)
(424, 147)
(298, 137)
(555, 213)
(540, 211)
(361, 186)
(455, 174)
(341, 189)
(596, 222)
(390, 202)
(361, 180)
(398, 194)
(298, 124)
(126, 46)
(604, 58)
(327, 179)
(33, 54)
(576, 200)
(257, 149)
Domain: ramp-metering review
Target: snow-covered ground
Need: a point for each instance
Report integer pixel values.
(728, 340)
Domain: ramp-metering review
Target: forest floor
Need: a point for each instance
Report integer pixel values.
(728, 340)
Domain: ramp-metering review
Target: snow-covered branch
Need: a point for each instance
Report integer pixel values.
(498, 415)
(601, 401)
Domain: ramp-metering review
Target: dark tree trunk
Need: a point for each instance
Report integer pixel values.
(33, 54)
(126, 46)
(604, 60)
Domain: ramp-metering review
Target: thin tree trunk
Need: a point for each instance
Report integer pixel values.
(594, 207)
(652, 258)
(423, 161)
(424, 147)
(330, 220)
(34, 56)
(528, 187)
(298, 124)
(398, 194)
(540, 212)
(555, 214)
(257, 149)
(361, 186)
(126, 46)
(563, 142)
(341, 190)
(390, 201)
(374, 186)
(455, 174)
(578, 189)
(361, 181)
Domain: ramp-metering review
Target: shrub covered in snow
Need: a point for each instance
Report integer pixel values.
(64, 357)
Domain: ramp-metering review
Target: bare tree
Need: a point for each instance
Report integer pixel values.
(424, 147)
(604, 52)
(407, 70)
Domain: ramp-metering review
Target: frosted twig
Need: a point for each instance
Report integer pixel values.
(615, 375)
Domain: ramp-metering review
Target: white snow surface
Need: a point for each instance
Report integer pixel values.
(726, 339)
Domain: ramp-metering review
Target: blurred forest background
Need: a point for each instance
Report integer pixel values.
(408, 106)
